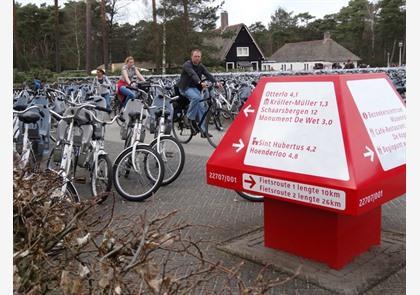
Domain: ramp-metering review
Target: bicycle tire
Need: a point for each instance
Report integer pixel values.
(144, 187)
(217, 123)
(172, 168)
(182, 132)
(107, 179)
(250, 197)
(71, 192)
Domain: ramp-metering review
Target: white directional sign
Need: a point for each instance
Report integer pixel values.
(383, 114)
(296, 191)
(297, 129)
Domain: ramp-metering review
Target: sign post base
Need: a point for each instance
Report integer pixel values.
(320, 235)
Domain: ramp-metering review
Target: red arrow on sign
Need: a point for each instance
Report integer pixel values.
(251, 181)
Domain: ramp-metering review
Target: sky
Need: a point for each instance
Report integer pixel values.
(239, 11)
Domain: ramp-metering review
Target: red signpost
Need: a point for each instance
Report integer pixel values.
(325, 151)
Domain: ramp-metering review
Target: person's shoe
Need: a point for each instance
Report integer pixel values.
(205, 134)
(192, 125)
(187, 122)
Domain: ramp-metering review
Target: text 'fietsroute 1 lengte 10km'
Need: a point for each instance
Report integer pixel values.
(301, 192)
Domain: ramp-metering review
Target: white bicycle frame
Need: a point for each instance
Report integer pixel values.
(97, 150)
(161, 130)
(136, 136)
(135, 139)
(26, 144)
(65, 163)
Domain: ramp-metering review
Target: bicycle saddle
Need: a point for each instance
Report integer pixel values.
(159, 113)
(30, 117)
(134, 115)
(19, 107)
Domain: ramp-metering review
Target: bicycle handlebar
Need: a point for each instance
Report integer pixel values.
(55, 90)
(27, 109)
(136, 89)
(78, 108)
(104, 122)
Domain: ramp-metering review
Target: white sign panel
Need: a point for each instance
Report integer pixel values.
(310, 194)
(297, 129)
(383, 114)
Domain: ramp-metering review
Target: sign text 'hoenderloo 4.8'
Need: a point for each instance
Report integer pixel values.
(333, 142)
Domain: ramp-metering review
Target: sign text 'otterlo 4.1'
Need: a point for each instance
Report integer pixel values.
(325, 151)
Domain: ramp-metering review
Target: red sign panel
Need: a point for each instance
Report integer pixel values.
(335, 142)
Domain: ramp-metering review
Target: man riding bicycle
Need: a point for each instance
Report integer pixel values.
(190, 85)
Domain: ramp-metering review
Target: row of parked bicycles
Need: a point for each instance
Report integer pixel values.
(64, 125)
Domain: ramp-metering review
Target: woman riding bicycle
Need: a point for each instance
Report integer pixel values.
(128, 72)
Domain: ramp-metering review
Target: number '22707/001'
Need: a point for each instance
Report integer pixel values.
(371, 198)
(222, 177)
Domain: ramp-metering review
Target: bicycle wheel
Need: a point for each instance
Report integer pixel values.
(70, 195)
(101, 177)
(250, 197)
(217, 123)
(173, 157)
(131, 180)
(181, 131)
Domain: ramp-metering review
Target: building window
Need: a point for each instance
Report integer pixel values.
(242, 51)
(306, 67)
(291, 67)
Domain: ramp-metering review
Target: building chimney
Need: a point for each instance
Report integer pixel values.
(327, 36)
(224, 21)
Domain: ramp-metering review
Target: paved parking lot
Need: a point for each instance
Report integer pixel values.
(230, 216)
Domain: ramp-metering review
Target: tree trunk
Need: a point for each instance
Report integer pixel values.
(88, 36)
(57, 38)
(113, 12)
(104, 35)
(186, 27)
(393, 51)
(164, 41)
(156, 35)
(16, 60)
(76, 34)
